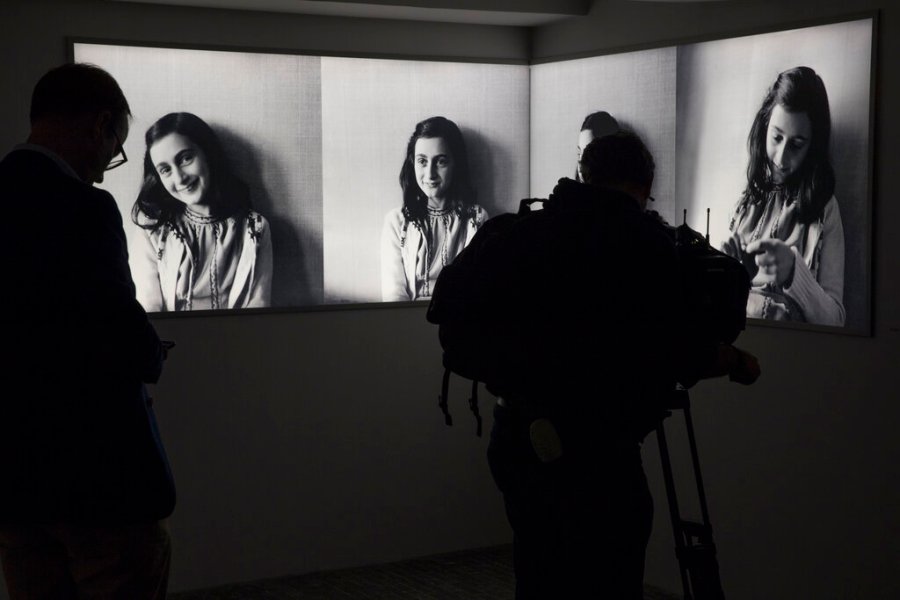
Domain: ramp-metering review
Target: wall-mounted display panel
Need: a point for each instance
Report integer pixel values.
(774, 135)
(353, 180)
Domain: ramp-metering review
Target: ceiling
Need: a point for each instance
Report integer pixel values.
(519, 13)
(522, 13)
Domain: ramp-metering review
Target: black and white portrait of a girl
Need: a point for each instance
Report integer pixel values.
(787, 229)
(204, 246)
(438, 216)
(224, 181)
(417, 155)
(773, 138)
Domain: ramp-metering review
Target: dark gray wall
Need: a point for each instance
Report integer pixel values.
(802, 470)
(311, 440)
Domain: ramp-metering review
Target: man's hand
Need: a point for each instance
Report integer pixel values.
(744, 368)
(166, 346)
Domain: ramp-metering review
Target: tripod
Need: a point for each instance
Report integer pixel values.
(694, 545)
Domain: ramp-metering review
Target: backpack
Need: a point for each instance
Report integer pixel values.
(483, 342)
(476, 338)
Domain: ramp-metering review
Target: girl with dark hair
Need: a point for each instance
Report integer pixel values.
(787, 228)
(204, 247)
(439, 215)
(595, 125)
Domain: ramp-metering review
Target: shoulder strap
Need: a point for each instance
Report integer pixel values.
(473, 406)
(473, 402)
(442, 399)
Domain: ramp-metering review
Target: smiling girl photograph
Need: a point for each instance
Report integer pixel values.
(224, 181)
(204, 246)
(438, 217)
(417, 155)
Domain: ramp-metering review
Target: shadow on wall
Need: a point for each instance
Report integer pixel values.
(487, 162)
(853, 191)
(291, 283)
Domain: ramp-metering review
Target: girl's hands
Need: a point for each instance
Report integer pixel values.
(775, 260)
(734, 247)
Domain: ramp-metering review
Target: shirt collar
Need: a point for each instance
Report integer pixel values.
(56, 158)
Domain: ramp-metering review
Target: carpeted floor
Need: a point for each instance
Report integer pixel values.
(470, 575)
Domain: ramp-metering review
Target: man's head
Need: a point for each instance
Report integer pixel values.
(79, 111)
(619, 161)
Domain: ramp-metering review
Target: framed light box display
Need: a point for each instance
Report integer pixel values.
(272, 181)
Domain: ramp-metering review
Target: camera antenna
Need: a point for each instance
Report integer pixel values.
(707, 225)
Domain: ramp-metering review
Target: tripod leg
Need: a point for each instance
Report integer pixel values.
(703, 566)
(695, 459)
(674, 514)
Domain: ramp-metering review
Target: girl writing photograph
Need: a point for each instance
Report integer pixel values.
(786, 229)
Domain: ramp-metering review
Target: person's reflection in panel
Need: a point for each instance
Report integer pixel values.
(595, 125)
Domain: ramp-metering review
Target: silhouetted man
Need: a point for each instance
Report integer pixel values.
(86, 481)
(596, 279)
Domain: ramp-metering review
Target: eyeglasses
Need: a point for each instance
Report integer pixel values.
(120, 149)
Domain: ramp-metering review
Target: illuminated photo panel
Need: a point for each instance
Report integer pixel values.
(795, 187)
(275, 181)
(370, 110)
(265, 113)
(636, 89)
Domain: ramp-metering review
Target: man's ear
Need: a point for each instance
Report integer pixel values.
(101, 124)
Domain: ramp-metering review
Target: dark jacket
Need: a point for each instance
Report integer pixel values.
(592, 282)
(78, 439)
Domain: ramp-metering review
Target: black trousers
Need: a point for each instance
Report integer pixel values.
(65, 562)
(581, 522)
